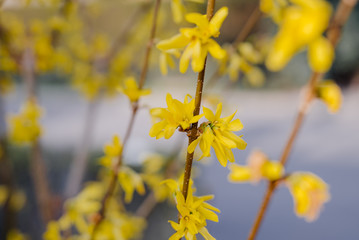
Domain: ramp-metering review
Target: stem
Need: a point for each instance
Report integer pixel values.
(118, 164)
(334, 32)
(38, 168)
(193, 133)
(149, 45)
(38, 172)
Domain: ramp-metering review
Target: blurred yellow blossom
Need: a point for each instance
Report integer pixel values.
(177, 10)
(274, 8)
(167, 60)
(218, 133)
(25, 126)
(52, 231)
(258, 167)
(177, 114)
(329, 92)
(155, 169)
(130, 181)
(132, 91)
(303, 24)
(309, 193)
(15, 234)
(197, 41)
(112, 152)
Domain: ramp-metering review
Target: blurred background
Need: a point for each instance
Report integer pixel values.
(80, 117)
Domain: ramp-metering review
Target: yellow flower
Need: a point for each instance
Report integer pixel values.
(177, 114)
(15, 234)
(329, 92)
(258, 167)
(274, 8)
(194, 213)
(25, 126)
(132, 91)
(177, 10)
(154, 171)
(52, 231)
(302, 25)
(218, 133)
(130, 181)
(239, 173)
(166, 60)
(197, 41)
(309, 193)
(112, 152)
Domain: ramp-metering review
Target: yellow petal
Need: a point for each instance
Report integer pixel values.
(321, 55)
(217, 20)
(215, 50)
(177, 41)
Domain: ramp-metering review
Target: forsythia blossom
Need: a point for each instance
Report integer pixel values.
(177, 114)
(25, 126)
(218, 133)
(197, 41)
(309, 193)
(128, 178)
(258, 167)
(302, 25)
(329, 92)
(132, 91)
(194, 212)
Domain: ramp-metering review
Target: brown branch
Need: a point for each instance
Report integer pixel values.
(334, 32)
(198, 98)
(38, 168)
(118, 164)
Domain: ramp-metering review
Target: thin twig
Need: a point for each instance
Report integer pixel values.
(334, 32)
(198, 98)
(116, 168)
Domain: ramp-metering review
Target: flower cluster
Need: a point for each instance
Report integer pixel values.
(243, 59)
(197, 41)
(217, 132)
(194, 213)
(302, 25)
(81, 215)
(25, 126)
(258, 167)
(128, 179)
(177, 114)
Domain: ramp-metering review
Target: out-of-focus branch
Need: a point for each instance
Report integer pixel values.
(38, 168)
(334, 31)
(113, 180)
